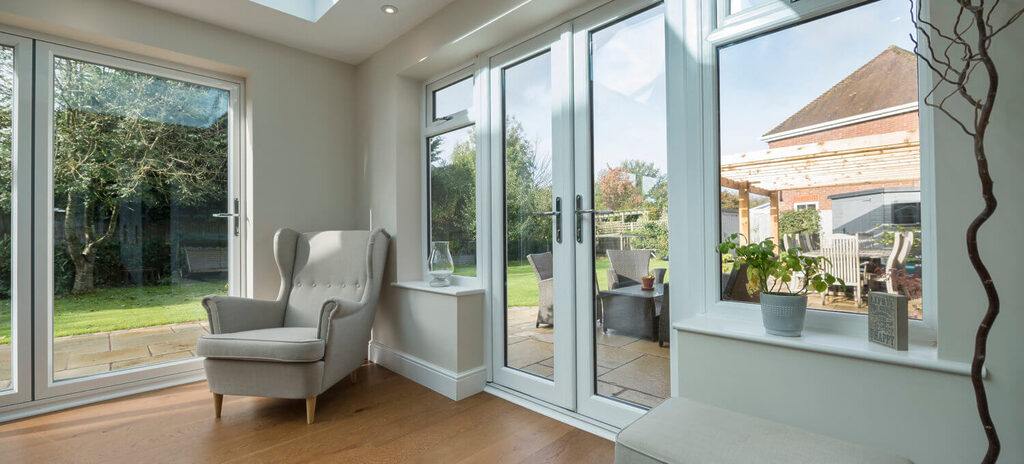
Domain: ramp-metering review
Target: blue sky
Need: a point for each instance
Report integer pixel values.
(765, 80)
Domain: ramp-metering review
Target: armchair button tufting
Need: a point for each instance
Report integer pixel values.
(330, 285)
(298, 285)
(314, 284)
(342, 285)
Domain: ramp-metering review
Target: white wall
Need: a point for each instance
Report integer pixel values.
(927, 416)
(300, 109)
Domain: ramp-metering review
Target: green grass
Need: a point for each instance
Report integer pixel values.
(111, 309)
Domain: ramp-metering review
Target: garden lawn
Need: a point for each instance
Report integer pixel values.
(522, 284)
(112, 309)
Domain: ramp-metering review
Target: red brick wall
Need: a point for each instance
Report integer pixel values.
(896, 123)
(821, 194)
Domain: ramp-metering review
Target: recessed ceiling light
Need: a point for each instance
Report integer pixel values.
(389, 9)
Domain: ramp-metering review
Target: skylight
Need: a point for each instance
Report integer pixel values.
(310, 10)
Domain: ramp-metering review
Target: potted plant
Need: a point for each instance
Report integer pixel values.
(783, 297)
(647, 281)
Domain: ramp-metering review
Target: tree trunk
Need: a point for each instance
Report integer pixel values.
(85, 267)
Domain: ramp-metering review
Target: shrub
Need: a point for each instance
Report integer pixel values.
(801, 220)
(655, 238)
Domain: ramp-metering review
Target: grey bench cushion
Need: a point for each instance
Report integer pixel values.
(281, 344)
(685, 431)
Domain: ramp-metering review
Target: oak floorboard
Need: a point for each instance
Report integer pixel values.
(381, 417)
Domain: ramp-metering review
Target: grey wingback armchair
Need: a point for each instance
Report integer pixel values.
(317, 330)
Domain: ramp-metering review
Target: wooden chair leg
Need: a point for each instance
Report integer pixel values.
(354, 375)
(218, 401)
(310, 409)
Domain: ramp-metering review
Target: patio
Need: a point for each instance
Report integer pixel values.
(628, 368)
(82, 355)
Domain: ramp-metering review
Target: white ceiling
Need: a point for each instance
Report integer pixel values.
(351, 31)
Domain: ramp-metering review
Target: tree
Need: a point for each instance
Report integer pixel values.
(619, 191)
(453, 193)
(123, 137)
(954, 54)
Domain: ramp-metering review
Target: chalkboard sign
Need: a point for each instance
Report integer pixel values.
(887, 320)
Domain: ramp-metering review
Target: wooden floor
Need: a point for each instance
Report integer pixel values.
(380, 418)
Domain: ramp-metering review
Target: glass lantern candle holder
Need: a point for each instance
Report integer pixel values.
(441, 265)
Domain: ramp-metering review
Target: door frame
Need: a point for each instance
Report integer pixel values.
(21, 221)
(589, 403)
(561, 390)
(42, 273)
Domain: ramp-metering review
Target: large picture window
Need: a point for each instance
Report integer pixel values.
(825, 113)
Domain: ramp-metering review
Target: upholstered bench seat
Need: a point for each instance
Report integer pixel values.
(685, 431)
(278, 344)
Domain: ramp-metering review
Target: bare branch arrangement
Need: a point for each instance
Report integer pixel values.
(954, 55)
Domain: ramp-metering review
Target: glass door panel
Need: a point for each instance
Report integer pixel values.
(533, 340)
(15, 226)
(529, 218)
(621, 180)
(139, 185)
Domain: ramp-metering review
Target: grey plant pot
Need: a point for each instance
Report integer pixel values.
(783, 314)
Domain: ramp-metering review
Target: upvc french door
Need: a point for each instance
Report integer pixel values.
(16, 198)
(531, 126)
(560, 118)
(135, 187)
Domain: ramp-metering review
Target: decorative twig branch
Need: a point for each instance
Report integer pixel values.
(967, 46)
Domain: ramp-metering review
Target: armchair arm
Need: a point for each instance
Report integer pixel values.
(229, 314)
(336, 308)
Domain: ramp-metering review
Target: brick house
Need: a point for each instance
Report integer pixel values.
(857, 139)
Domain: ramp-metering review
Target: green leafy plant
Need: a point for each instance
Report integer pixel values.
(801, 220)
(768, 272)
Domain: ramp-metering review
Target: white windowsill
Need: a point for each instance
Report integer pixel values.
(452, 290)
(851, 345)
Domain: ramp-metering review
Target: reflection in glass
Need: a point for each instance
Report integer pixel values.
(6, 194)
(453, 195)
(140, 164)
(529, 296)
(453, 99)
(830, 157)
(631, 183)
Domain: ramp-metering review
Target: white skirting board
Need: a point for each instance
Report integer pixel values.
(454, 385)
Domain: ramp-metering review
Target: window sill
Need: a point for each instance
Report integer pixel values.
(452, 290)
(851, 345)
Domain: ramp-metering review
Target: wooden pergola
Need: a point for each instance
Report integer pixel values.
(863, 160)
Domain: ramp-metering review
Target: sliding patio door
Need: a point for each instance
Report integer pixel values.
(136, 216)
(15, 219)
(578, 141)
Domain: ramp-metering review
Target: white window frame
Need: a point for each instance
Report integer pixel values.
(432, 128)
(707, 26)
(45, 51)
(797, 205)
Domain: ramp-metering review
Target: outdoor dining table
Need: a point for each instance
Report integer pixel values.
(632, 310)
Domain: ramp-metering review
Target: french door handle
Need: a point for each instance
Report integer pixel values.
(557, 215)
(234, 215)
(579, 215)
(594, 211)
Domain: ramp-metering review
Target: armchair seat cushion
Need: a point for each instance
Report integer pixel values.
(279, 344)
